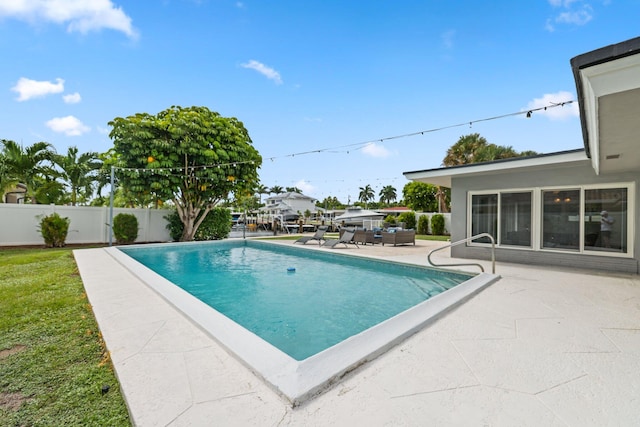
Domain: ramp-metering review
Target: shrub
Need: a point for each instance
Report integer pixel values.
(409, 219)
(125, 228)
(54, 230)
(423, 224)
(390, 219)
(174, 225)
(437, 224)
(215, 226)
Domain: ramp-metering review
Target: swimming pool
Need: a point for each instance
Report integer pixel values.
(299, 301)
(284, 355)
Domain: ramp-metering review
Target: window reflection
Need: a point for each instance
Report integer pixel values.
(515, 219)
(561, 219)
(484, 216)
(605, 220)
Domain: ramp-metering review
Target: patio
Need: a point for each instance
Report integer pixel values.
(542, 346)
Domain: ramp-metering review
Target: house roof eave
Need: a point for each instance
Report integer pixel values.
(443, 176)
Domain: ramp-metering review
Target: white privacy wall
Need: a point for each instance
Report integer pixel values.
(19, 224)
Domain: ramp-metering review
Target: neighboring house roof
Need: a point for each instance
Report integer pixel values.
(291, 195)
(608, 86)
(395, 209)
(443, 176)
(277, 206)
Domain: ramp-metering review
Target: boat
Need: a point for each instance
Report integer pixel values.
(357, 216)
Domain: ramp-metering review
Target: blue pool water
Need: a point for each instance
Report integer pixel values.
(298, 300)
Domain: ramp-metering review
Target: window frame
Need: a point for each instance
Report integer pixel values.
(537, 224)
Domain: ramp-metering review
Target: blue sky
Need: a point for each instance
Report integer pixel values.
(307, 76)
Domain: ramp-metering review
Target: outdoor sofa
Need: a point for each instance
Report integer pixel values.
(398, 237)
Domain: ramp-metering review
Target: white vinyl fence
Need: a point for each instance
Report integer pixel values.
(20, 224)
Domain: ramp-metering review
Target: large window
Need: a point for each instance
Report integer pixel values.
(484, 215)
(515, 219)
(561, 219)
(580, 219)
(605, 220)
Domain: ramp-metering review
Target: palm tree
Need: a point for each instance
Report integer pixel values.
(276, 189)
(441, 197)
(495, 152)
(5, 179)
(366, 194)
(465, 150)
(26, 165)
(387, 194)
(261, 189)
(293, 190)
(79, 172)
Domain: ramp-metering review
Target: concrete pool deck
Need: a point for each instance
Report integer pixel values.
(542, 346)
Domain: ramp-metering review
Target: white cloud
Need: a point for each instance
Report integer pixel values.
(72, 98)
(577, 17)
(266, 71)
(375, 150)
(78, 15)
(562, 3)
(578, 14)
(305, 187)
(68, 125)
(28, 88)
(103, 131)
(556, 113)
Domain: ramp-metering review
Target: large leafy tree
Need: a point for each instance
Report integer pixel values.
(26, 165)
(420, 196)
(80, 173)
(366, 194)
(388, 194)
(191, 156)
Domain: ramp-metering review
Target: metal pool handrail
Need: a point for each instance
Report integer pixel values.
(468, 239)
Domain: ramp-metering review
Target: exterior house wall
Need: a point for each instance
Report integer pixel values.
(296, 203)
(20, 223)
(551, 176)
(301, 205)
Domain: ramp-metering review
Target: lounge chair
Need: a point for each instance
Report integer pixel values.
(345, 239)
(318, 235)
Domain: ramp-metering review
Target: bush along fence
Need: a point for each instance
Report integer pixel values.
(21, 224)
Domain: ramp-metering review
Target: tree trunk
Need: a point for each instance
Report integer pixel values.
(191, 218)
(187, 216)
(188, 233)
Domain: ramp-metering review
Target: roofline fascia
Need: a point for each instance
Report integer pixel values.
(446, 173)
(591, 59)
(500, 161)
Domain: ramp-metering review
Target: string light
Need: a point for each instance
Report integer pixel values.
(357, 145)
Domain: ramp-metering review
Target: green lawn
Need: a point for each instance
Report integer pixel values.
(53, 362)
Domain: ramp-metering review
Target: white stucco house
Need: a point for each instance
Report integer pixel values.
(548, 209)
(288, 205)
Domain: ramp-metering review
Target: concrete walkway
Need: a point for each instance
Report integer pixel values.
(541, 347)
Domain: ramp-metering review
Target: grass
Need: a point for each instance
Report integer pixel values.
(53, 362)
